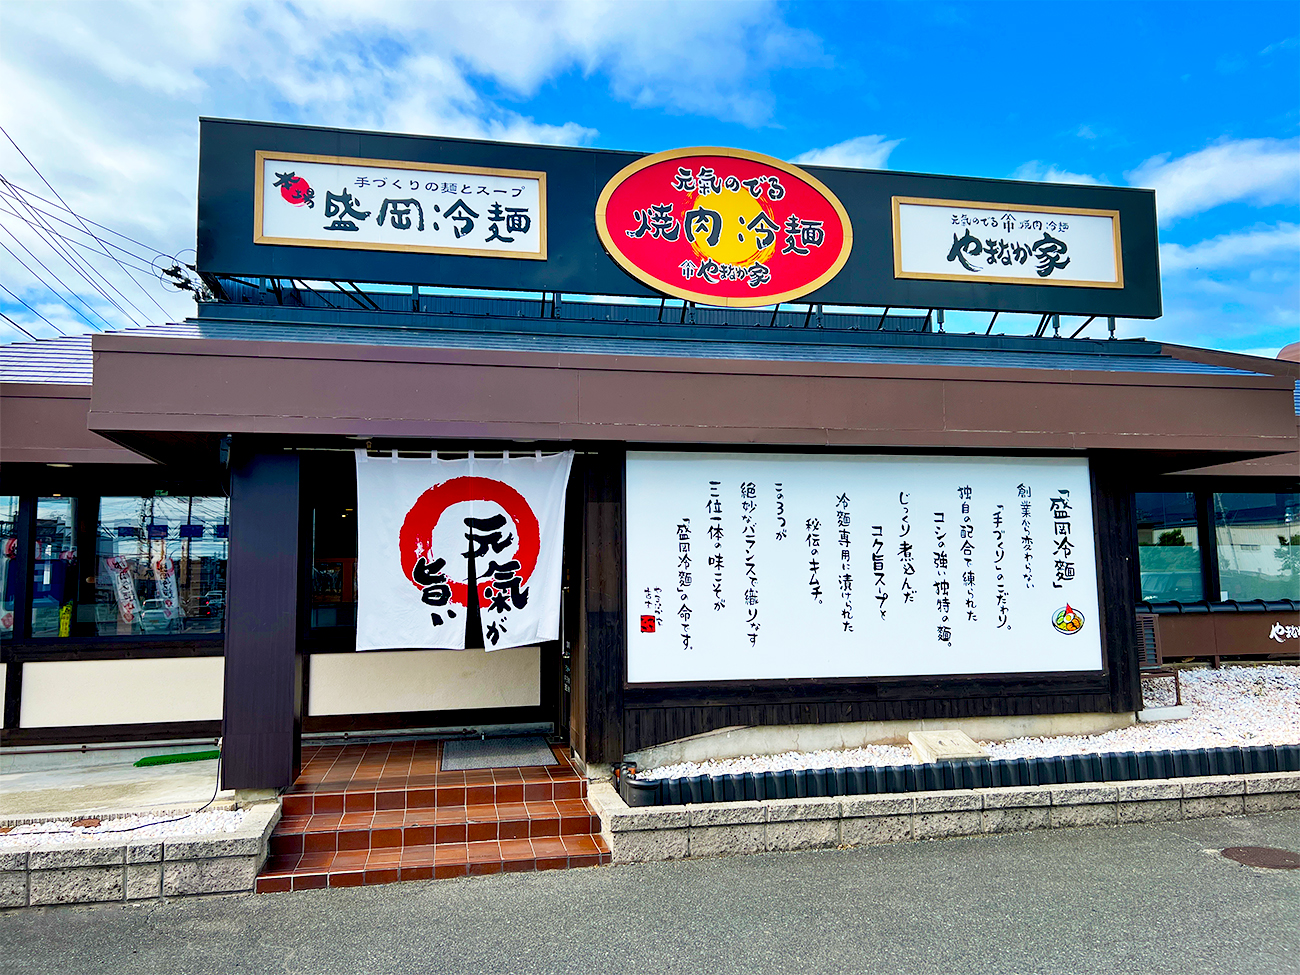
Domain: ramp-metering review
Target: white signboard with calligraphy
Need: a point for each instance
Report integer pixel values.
(770, 566)
(950, 240)
(387, 205)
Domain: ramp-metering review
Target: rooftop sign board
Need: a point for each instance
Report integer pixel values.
(392, 205)
(723, 227)
(719, 227)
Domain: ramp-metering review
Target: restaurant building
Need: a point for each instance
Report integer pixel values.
(700, 483)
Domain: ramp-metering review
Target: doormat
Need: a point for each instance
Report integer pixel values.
(475, 753)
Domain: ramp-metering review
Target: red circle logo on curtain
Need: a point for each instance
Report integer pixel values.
(416, 538)
(723, 227)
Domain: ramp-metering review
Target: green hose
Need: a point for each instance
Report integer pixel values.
(173, 759)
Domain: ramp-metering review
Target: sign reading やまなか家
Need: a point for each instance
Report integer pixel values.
(948, 240)
(723, 227)
(388, 205)
(433, 534)
(769, 566)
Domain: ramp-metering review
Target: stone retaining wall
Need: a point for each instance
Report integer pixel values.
(715, 829)
(125, 869)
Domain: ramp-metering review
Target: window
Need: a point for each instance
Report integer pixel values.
(54, 567)
(334, 557)
(8, 560)
(161, 565)
(1258, 538)
(1169, 552)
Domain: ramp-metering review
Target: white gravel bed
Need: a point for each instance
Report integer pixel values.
(1231, 706)
(125, 828)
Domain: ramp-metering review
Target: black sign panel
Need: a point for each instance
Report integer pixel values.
(919, 241)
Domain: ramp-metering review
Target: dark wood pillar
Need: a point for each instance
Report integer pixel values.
(262, 726)
(603, 596)
(1117, 577)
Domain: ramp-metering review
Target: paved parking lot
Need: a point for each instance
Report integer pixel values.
(1134, 899)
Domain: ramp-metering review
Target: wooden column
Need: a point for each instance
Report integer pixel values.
(605, 643)
(262, 725)
(1117, 577)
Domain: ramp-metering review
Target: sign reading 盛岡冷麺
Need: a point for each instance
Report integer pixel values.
(387, 205)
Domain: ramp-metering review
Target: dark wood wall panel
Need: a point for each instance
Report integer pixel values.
(652, 726)
(1117, 577)
(604, 635)
(263, 685)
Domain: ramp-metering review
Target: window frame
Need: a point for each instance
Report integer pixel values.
(1204, 490)
(86, 484)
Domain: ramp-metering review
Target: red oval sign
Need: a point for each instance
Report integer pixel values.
(723, 227)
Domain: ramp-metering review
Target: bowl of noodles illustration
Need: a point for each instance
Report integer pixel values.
(1067, 620)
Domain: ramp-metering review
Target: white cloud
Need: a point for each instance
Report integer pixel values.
(111, 93)
(1257, 171)
(1233, 249)
(862, 152)
(1038, 172)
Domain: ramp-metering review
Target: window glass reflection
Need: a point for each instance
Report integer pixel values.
(1258, 538)
(8, 562)
(54, 568)
(161, 565)
(1169, 553)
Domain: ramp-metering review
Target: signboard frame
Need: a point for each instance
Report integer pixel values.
(577, 261)
(1112, 215)
(630, 266)
(259, 195)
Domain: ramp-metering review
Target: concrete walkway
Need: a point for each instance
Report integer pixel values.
(1153, 899)
(114, 787)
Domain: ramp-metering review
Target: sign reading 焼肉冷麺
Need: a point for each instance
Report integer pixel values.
(723, 227)
(950, 240)
(386, 205)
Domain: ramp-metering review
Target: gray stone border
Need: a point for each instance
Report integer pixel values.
(113, 869)
(639, 834)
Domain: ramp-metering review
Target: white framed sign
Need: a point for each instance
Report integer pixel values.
(952, 240)
(777, 566)
(389, 205)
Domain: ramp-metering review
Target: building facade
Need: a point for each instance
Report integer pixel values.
(180, 502)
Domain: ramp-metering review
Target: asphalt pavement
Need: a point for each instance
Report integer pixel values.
(1133, 899)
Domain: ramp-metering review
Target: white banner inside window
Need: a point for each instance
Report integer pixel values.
(426, 526)
(764, 566)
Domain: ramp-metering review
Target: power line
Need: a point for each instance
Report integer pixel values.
(43, 230)
(8, 208)
(140, 268)
(83, 223)
(32, 310)
(57, 206)
(17, 326)
(53, 275)
(46, 283)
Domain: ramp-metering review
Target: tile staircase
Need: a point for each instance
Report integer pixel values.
(383, 812)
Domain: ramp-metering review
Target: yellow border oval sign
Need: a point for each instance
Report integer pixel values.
(723, 227)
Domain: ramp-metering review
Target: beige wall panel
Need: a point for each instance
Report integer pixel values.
(81, 692)
(424, 680)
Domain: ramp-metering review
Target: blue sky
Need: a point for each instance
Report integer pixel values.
(1199, 100)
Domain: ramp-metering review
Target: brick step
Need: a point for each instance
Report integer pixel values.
(424, 826)
(353, 868)
(322, 799)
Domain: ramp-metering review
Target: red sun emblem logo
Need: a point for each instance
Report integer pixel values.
(415, 540)
(295, 189)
